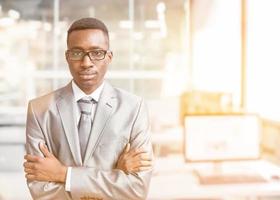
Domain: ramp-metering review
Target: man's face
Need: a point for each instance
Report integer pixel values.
(88, 74)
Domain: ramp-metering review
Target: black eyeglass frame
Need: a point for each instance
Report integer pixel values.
(88, 54)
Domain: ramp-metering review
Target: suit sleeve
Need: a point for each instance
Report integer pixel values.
(34, 135)
(115, 184)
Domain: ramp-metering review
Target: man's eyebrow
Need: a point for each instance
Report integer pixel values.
(91, 48)
(76, 47)
(95, 48)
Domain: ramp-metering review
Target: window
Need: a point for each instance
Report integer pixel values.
(145, 40)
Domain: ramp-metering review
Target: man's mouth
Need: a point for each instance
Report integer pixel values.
(87, 75)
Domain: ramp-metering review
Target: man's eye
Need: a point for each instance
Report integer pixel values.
(77, 53)
(97, 53)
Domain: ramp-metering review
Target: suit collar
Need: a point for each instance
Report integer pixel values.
(65, 106)
(104, 110)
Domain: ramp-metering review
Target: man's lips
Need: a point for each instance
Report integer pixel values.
(87, 75)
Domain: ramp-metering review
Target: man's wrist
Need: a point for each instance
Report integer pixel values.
(62, 174)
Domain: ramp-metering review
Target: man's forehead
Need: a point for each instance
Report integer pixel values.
(86, 37)
(88, 32)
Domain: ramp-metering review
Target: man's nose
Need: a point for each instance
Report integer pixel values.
(86, 62)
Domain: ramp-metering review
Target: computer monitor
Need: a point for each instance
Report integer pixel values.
(222, 137)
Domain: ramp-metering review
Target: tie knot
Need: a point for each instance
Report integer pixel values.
(85, 105)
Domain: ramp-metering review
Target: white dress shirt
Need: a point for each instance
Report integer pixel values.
(78, 94)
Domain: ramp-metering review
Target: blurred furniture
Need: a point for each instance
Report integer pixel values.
(270, 143)
(168, 141)
(175, 179)
(219, 137)
(166, 131)
(202, 102)
(13, 186)
(12, 149)
(12, 140)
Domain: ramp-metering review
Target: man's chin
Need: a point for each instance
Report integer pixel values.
(89, 85)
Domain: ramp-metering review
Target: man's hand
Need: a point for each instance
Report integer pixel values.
(132, 161)
(44, 169)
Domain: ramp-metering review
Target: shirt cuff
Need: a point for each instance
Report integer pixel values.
(68, 180)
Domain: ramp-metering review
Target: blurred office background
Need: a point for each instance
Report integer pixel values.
(185, 57)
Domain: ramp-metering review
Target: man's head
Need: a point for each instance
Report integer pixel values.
(88, 23)
(88, 53)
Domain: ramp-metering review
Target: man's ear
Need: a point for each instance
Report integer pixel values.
(110, 56)
(66, 56)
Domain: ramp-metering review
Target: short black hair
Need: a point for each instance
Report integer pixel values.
(88, 23)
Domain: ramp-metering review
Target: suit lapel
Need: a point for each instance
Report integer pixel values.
(65, 106)
(105, 106)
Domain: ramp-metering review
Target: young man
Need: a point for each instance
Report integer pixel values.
(88, 140)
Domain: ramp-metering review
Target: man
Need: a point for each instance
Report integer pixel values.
(88, 140)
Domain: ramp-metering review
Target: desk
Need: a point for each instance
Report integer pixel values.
(174, 179)
(167, 138)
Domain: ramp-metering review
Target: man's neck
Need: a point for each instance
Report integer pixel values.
(89, 90)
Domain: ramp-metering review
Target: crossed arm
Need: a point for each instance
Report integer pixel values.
(49, 168)
(46, 175)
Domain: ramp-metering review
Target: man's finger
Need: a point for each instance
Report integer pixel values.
(144, 163)
(145, 156)
(144, 168)
(44, 150)
(140, 169)
(140, 163)
(127, 148)
(29, 165)
(28, 171)
(142, 156)
(31, 158)
(30, 177)
(136, 152)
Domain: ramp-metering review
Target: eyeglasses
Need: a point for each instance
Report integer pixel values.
(78, 55)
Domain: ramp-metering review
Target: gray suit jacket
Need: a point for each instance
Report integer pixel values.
(120, 118)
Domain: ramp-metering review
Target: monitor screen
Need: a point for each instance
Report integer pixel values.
(222, 137)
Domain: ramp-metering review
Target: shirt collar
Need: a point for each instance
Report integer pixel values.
(78, 93)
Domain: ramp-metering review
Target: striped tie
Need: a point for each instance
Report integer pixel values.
(85, 123)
